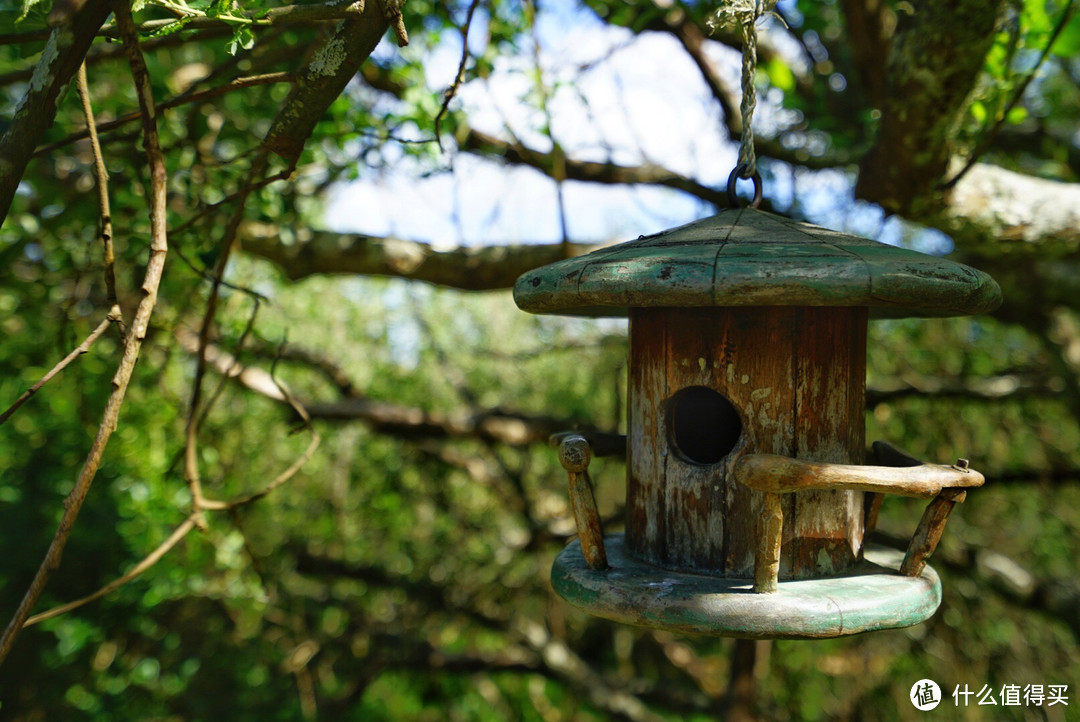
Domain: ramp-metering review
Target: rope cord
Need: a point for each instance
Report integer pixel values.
(745, 14)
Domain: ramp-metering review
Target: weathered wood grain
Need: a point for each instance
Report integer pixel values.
(574, 455)
(779, 475)
(796, 379)
(927, 535)
(745, 257)
(769, 535)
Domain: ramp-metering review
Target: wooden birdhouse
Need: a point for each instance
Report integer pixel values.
(748, 495)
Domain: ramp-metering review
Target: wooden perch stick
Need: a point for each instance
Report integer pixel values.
(926, 537)
(780, 474)
(770, 534)
(775, 475)
(574, 455)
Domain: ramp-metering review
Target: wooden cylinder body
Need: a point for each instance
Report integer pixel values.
(795, 379)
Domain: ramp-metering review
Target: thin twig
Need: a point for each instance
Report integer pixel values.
(228, 240)
(452, 91)
(180, 100)
(150, 560)
(299, 14)
(224, 380)
(278, 480)
(79, 351)
(151, 281)
(330, 369)
(240, 195)
(290, 472)
(202, 273)
(102, 175)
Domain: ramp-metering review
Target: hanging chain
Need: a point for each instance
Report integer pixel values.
(745, 14)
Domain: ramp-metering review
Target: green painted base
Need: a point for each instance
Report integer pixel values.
(869, 597)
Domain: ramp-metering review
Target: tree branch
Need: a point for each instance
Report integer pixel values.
(937, 53)
(496, 425)
(474, 268)
(225, 246)
(64, 52)
(285, 15)
(101, 174)
(516, 153)
(150, 560)
(333, 64)
(151, 282)
(1018, 93)
(181, 100)
(64, 363)
(998, 213)
(973, 389)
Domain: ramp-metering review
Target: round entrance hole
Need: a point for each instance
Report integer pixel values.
(704, 425)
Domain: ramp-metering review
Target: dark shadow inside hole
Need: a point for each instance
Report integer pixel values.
(704, 425)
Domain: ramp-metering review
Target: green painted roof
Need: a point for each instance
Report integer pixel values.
(746, 257)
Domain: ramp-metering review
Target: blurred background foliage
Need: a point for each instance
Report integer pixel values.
(402, 573)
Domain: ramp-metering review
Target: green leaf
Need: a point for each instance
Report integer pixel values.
(1017, 115)
(1068, 42)
(978, 112)
(27, 6)
(242, 39)
(780, 74)
(170, 28)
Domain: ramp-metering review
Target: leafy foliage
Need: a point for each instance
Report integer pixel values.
(402, 573)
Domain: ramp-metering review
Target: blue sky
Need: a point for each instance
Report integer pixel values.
(640, 101)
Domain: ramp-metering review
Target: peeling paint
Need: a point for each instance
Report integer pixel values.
(745, 379)
(701, 363)
(759, 394)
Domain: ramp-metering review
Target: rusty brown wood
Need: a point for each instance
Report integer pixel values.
(796, 378)
(830, 426)
(779, 474)
(873, 509)
(770, 531)
(928, 533)
(574, 455)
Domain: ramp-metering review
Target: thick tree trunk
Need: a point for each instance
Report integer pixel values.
(937, 53)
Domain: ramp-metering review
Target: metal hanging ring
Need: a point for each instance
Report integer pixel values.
(733, 200)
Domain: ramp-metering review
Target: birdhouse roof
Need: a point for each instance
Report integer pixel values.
(746, 257)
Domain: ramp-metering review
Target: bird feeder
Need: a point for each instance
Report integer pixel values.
(748, 495)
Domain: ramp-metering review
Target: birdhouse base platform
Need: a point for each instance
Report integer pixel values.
(868, 597)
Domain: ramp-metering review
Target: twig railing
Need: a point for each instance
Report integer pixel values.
(777, 475)
(774, 476)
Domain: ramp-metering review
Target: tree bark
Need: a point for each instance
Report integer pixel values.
(63, 54)
(938, 51)
(331, 67)
(997, 212)
(482, 268)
